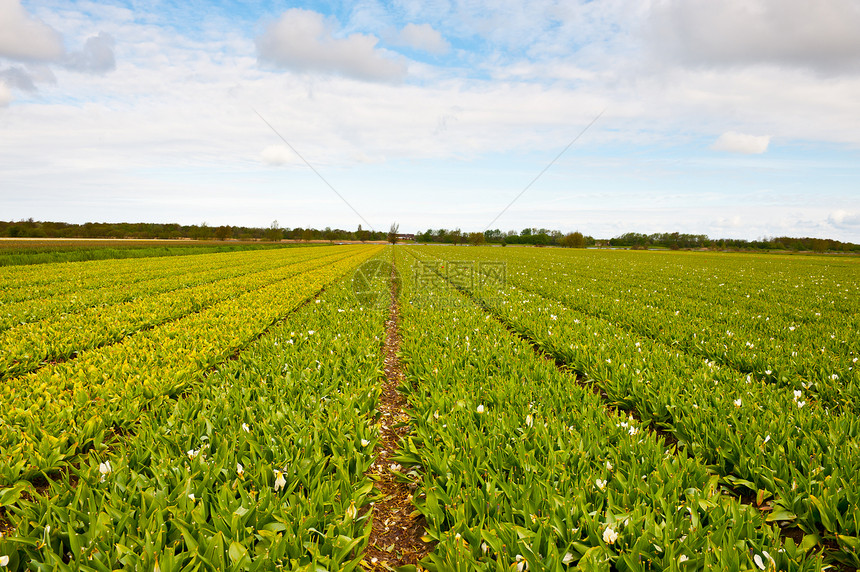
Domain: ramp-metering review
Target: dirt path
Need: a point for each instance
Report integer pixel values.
(395, 539)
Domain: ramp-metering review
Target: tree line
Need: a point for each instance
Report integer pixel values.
(38, 229)
(676, 241)
(30, 228)
(532, 236)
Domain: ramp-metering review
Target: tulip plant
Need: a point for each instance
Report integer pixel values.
(519, 466)
(59, 411)
(26, 347)
(33, 293)
(257, 465)
(566, 410)
(788, 446)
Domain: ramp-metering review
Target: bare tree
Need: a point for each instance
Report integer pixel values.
(393, 233)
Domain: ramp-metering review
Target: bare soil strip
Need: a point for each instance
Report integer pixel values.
(395, 537)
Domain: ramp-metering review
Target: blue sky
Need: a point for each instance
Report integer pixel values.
(733, 118)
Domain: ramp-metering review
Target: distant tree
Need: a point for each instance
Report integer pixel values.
(307, 234)
(204, 232)
(541, 238)
(424, 236)
(477, 238)
(457, 236)
(393, 232)
(493, 235)
(274, 232)
(361, 234)
(573, 240)
(222, 232)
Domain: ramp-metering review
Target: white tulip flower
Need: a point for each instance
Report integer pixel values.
(105, 469)
(609, 535)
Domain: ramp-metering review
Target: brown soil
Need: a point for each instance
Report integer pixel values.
(6, 528)
(395, 537)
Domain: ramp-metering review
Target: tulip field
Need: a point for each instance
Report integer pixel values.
(566, 409)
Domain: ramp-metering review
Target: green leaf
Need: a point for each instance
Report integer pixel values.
(809, 541)
(237, 552)
(851, 541)
(10, 495)
(780, 514)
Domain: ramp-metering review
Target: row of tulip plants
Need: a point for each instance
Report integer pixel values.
(106, 283)
(259, 465)
(42, 281)
(785, 320)
(27, 347)
(517, 466)
(780, 445)
(52, 415)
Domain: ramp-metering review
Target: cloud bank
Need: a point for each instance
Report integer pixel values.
(304, 40)
(820, 35)
(29, 41)
(844, 220)
(25, 38)
(446, 132)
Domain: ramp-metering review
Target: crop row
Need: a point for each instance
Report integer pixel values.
(54, 414)
(784, 326)
(799, 460)
(519, 467)
(28, 346)
(117, 285)
(48, 280)
(259, 466)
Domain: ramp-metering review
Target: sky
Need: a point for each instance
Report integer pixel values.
(731, 118)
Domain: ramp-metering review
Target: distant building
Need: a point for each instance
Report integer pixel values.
(405, 237)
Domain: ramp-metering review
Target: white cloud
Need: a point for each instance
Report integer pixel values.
(741, 143)
(422, 37)
(821, 35)
(844, 219)
(95, 57)
(25, 38)
(173, 126)
(279, 155)
(18, 78)
(304, 40)
(5, 95)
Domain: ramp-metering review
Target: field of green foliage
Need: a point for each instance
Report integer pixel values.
(567, 409)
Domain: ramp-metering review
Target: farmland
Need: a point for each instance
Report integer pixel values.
(606, 410)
